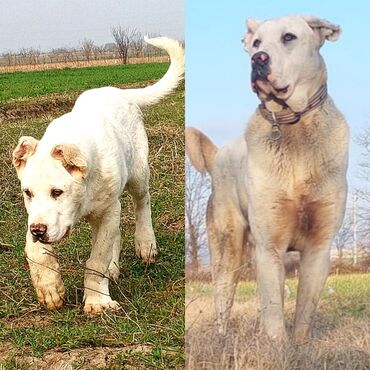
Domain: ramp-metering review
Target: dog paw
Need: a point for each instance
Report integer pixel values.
(51, 295)
(146, 249)
(97, 308)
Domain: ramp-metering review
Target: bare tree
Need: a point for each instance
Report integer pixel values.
(137, 44)
(87, 47)
(344, 236)
(123, 38)
(364, 194)
(9, 57)
(29, 55)
(197, 190)
(98, 52)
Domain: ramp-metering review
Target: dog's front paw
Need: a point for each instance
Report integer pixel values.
(95, 308)
(51, 295)
(146, 248)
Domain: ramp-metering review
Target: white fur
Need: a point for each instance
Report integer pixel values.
(281, 195)
(110, 153)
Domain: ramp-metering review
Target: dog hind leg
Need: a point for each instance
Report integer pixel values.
(138, 187)
(226, 231)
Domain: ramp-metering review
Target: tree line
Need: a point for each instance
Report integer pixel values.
(126, 43)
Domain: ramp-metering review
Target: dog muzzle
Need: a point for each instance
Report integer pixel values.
(260, 69)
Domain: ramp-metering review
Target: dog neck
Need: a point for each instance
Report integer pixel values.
(287, 116)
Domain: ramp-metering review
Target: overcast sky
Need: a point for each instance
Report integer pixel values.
(47, 24)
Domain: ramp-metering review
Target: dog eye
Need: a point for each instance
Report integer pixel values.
(288, 37)
(256, 43)
(28, 193)
(55, 193)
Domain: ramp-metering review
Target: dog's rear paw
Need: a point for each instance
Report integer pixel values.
(146, 249)
(51, 295)
(97, 308)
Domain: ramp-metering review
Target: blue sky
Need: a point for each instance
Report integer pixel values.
(219, 100)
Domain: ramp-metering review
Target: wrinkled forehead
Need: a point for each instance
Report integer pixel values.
(42, 173)
(275, 28)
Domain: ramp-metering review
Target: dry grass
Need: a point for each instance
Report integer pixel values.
(81, 64)
(78, 358)
(341, 331)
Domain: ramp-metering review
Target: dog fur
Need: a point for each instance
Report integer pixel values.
(78, 169)
(290, 193)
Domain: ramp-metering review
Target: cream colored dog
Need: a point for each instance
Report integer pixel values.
(79, 168)
(288, 185)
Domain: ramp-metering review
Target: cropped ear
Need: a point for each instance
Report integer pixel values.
(323, 29)
(25, 148)
(200, 149)
(72, 160)
(252, 25)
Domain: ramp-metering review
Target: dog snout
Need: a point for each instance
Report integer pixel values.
(38, 230)
(260, 67)
(261, 58)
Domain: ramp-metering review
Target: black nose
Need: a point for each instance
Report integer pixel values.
(260, 68)
(261, 58)
(38, 230)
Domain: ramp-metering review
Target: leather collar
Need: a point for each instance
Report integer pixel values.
(287, 116)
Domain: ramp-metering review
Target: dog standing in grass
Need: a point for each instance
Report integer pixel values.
(78, 169)
(285, 188)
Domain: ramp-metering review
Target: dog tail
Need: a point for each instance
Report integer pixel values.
(175, 73)
(200, 150)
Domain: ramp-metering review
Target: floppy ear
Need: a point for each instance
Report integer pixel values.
(25, 148)
(200, 149)
(72, 159)
(252, 25)
(323, 29)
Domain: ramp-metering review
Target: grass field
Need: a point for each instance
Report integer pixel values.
(67, 80)
(149, 331)
(341, 332)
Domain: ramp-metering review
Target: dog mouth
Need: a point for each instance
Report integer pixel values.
(270, 90)
(283, 90)
(40, 240)
(45, 238)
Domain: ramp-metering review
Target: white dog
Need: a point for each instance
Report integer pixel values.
(284, 188)
(79, 168)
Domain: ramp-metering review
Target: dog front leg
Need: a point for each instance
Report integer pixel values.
(270, 283)
(45, 275)
(313, 272)
(106, 235)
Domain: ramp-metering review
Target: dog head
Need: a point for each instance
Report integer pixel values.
(286, 63)
(53, 186)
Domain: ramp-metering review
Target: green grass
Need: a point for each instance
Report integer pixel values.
(152, 296)
(343, 295)
(38, 83)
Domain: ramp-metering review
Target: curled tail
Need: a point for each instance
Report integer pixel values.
(175, 73)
